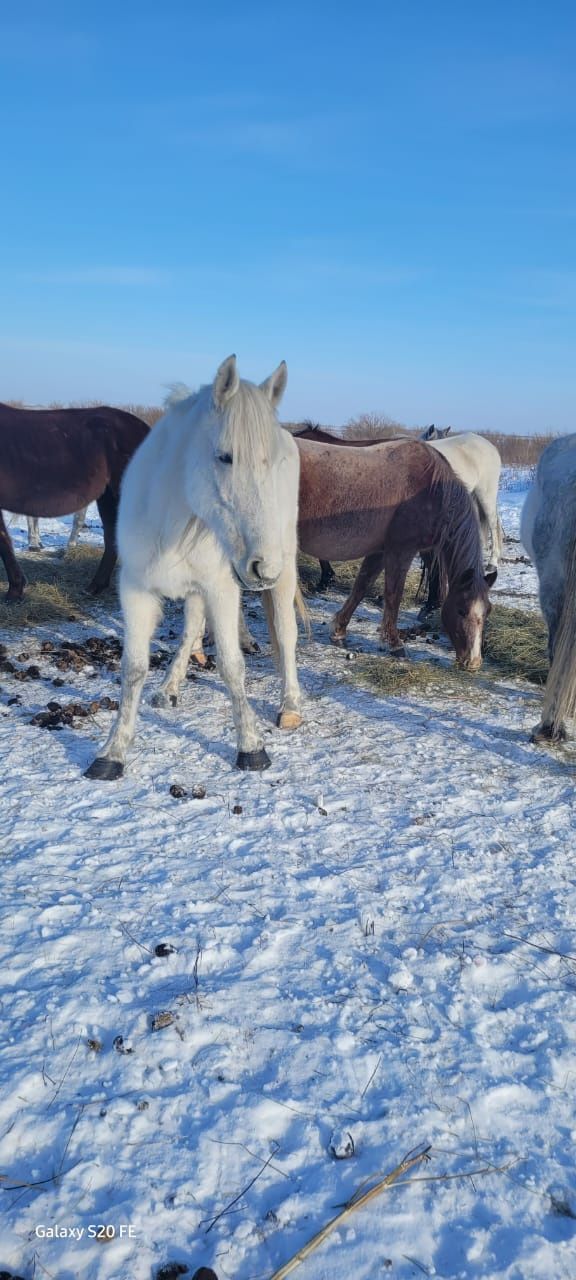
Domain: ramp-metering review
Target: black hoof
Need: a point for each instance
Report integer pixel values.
(547, 733)
(255, 760)
(400, 652)
(103, 770)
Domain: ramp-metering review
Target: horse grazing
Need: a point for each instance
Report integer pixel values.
(475, 461)
(209, 505)
(548, 532)
(54, 461)
(386, 504)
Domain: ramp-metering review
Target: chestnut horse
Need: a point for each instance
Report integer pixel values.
(386, 504)
(475, 461)
(54, 461)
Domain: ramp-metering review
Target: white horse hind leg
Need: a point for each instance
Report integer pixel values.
(77, 525)
(283, 618)
(223, 605)
(247, 642)
(191, 642)
(34, 543)
(141, 610)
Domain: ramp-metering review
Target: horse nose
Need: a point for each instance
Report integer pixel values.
(470, 664)
(263, 571)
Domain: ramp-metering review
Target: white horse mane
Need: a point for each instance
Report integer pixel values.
(177, 393)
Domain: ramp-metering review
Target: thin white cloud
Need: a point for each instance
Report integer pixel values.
(125, 277)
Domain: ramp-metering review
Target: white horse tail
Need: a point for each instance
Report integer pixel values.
(560, 691)
(499, 537)
(301, 610)
(269, 611)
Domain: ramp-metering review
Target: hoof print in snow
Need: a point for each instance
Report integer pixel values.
(121, 1046)
(172, 1271)
(204, 1273)
(237, 808)
(164, 949)
(198, 791)
(142, 1104)
(178, 792)
(95, 1045)
(341, 1145)
(161, 1020)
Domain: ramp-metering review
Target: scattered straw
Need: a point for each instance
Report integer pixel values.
(516, 642)
(56, 588)
(357, 1202)
(393, 677)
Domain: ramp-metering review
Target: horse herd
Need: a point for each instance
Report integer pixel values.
(219, 497)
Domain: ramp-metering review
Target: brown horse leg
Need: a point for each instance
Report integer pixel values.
(395, 570)
(16, 579)
(368, 571)
(326, 575)
(108, 510)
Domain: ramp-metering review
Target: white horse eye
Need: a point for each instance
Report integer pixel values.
(225, 457)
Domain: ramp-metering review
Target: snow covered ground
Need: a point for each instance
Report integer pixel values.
(373, 941)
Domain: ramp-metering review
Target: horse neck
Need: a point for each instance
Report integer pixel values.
(461, 547)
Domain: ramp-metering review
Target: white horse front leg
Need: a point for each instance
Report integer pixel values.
(191, 642)
(141, 612)
(282, 595)
(223, 606)
(34, 543)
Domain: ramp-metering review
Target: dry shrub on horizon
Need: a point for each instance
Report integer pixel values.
(515, 450)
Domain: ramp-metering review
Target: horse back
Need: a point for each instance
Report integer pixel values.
(349, 497)
(53, 461)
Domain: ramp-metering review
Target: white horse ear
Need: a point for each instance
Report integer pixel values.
(275, 386)
(226, 382)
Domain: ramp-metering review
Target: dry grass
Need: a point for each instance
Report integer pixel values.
(56, 589)
(517, 643)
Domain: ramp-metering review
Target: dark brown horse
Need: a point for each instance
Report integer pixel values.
(54, 461)
(386, 505)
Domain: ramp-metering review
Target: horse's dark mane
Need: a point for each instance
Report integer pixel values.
(307, 425)
(459, 547)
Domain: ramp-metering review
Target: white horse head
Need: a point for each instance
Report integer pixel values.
(234, 469)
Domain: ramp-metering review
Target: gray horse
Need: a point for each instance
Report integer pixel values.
(548, 532)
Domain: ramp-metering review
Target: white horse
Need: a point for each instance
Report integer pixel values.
(478, 464)
(35, 542)
(548, 532)
(209, 504)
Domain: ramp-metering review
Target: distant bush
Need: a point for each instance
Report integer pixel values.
(377, 425)
(515, 450)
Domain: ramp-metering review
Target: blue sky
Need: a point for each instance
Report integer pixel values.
(384, 195)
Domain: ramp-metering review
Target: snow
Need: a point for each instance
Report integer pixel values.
(373, 941)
